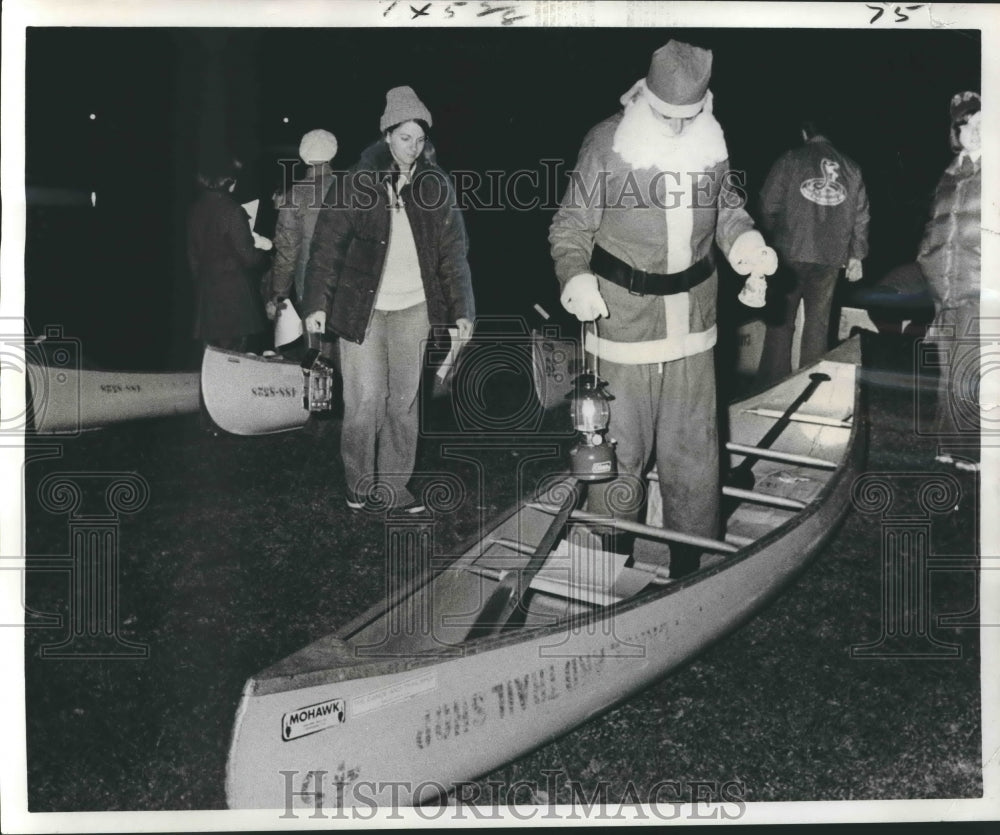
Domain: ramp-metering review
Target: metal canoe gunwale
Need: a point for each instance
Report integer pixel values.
(349, 667)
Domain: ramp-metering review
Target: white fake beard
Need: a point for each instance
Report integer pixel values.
(644, 141)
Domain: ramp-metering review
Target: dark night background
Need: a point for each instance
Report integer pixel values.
(115, 277)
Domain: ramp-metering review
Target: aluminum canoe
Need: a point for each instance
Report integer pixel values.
(67, 399)
(247, 394)
(434, 686)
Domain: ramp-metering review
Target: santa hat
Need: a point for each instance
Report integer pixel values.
(318, 146)
(677, 81)
(402, 105)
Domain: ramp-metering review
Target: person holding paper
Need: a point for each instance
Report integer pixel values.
(388, 260)
(224, 261)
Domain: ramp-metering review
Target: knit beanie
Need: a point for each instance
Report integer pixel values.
(964, 104)
(318, 146)
(402, 105)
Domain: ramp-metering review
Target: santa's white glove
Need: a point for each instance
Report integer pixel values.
(854, 271)
(751, 256)
(581, 297)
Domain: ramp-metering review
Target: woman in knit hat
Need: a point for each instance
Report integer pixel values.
(950, 259)
(388, 260)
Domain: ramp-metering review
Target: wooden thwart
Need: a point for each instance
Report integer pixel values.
(648, 531)
(818, 420)
(784, 457)
(762, 498)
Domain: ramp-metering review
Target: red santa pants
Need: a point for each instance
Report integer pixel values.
(667, 414)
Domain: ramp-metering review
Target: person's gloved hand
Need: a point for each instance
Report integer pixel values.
(464, 328)
(274, 305)
(581, 297)
(751, 256)
(854, 271)
(262, 243)
(315, 322)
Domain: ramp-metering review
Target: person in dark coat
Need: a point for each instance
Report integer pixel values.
(388, 260)
(950, 257)
(298, 209)
(225, 259)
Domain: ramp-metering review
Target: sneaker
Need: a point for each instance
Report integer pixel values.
(967, 466)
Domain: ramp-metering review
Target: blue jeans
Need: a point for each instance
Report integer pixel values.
(381, 413)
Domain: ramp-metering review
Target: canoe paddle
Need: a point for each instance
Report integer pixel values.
(506, 598)
(742, 476)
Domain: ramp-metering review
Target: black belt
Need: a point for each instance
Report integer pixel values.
(641, 283)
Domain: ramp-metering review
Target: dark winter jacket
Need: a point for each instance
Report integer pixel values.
(298, 211)
(224, 265)
(950, 250)
(814, 207)
(352, 236)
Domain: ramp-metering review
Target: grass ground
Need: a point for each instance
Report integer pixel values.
(245, 552)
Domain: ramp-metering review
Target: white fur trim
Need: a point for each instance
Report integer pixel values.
(677, 309)
(653, 350)
(680, 225)
(672, 111)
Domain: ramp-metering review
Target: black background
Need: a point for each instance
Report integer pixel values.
(114, 275)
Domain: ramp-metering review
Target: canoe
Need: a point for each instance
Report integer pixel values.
(554, 365)
(250, 394)
(458, 671)
(67, 399)
(247, 394)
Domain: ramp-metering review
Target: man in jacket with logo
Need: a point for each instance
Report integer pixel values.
(632, 242)
(815, 210)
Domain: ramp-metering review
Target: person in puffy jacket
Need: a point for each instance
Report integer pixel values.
(634, 248)
(950, 259)
(388, 260)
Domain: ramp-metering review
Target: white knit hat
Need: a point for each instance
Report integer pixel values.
(318, 146)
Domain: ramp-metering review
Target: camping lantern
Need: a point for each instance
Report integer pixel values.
(593, 457)
(317, 384)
